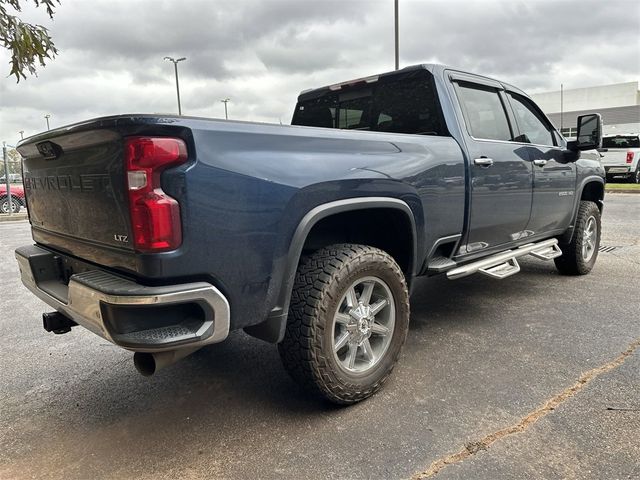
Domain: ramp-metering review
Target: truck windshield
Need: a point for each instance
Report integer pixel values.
(620, 141)
(399, 103)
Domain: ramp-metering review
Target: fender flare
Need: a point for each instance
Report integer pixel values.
(272, 330)
(568, 234)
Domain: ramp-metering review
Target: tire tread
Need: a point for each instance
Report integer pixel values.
(301, 350)
(571, 261)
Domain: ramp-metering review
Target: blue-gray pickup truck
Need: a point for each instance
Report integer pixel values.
(162, 234)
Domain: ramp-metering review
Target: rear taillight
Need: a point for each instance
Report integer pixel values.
(155, 216)
(629, 157)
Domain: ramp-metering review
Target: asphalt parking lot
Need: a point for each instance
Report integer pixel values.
(536, 376)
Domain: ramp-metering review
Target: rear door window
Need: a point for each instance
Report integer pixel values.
(484, 112)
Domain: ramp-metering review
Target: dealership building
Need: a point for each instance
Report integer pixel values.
(619, 105)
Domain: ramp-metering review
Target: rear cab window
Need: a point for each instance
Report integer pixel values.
(399, 103)
(621, 141)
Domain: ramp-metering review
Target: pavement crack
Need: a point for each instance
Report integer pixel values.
(525, 422)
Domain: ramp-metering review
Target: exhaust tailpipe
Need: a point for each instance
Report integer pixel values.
(149, 363)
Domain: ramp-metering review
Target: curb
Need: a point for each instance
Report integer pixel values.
(16, 217)
(621, 191)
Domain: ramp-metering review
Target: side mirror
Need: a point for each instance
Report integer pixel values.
(589, 135)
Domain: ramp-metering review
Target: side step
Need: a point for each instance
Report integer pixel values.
(503, 270)
(504, 264)
(440, 264)
(547, 253)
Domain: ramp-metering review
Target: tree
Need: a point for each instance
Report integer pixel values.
(27, 43)
(13, 162)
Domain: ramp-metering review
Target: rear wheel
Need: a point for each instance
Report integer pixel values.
(579, 256)
(635, 177)
(5, 205)
(348, 320)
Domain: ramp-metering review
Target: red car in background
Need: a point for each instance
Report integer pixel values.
(17, 197)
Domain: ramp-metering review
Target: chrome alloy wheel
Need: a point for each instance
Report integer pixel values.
(589, 238)
(363, 325)
(5, 206)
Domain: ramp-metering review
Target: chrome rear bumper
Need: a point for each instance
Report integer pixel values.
(133, 316)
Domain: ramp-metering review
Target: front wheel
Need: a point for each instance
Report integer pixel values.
(5, 205)
(348, 320)
(579, 256)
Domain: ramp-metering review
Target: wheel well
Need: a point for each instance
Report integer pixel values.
(385, 228)
(594, 192)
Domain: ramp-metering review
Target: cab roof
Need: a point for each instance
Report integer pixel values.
(437, 69)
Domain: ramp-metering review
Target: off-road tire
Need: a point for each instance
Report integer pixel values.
(321, 282)
(572, 261)
(4, 204)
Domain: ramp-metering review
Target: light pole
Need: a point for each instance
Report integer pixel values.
(561, 107)
(175, 66)
(225, 101)
(21, 132)
(397, 42)
(5, 158)
(47, 117)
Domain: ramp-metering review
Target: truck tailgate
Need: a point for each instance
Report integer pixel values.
(75, 187)
(614, 156)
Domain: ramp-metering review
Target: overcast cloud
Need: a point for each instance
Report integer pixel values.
(261, 54)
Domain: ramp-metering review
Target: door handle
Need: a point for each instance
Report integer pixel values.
(540, 162)
(483, 161)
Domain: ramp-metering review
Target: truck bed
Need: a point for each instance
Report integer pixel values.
(245, 184)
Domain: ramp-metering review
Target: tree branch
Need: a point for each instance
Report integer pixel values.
(27, 43)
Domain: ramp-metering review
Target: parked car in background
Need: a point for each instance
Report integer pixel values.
(621, 156)
(17, 197)
(13, 178)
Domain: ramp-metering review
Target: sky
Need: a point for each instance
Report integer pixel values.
(261, 53)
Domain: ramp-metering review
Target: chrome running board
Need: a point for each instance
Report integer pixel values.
(504, 264)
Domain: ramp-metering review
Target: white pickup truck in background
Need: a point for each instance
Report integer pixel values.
(621, 156)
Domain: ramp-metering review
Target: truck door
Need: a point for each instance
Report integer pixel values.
(554, 177)
(500, 170)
